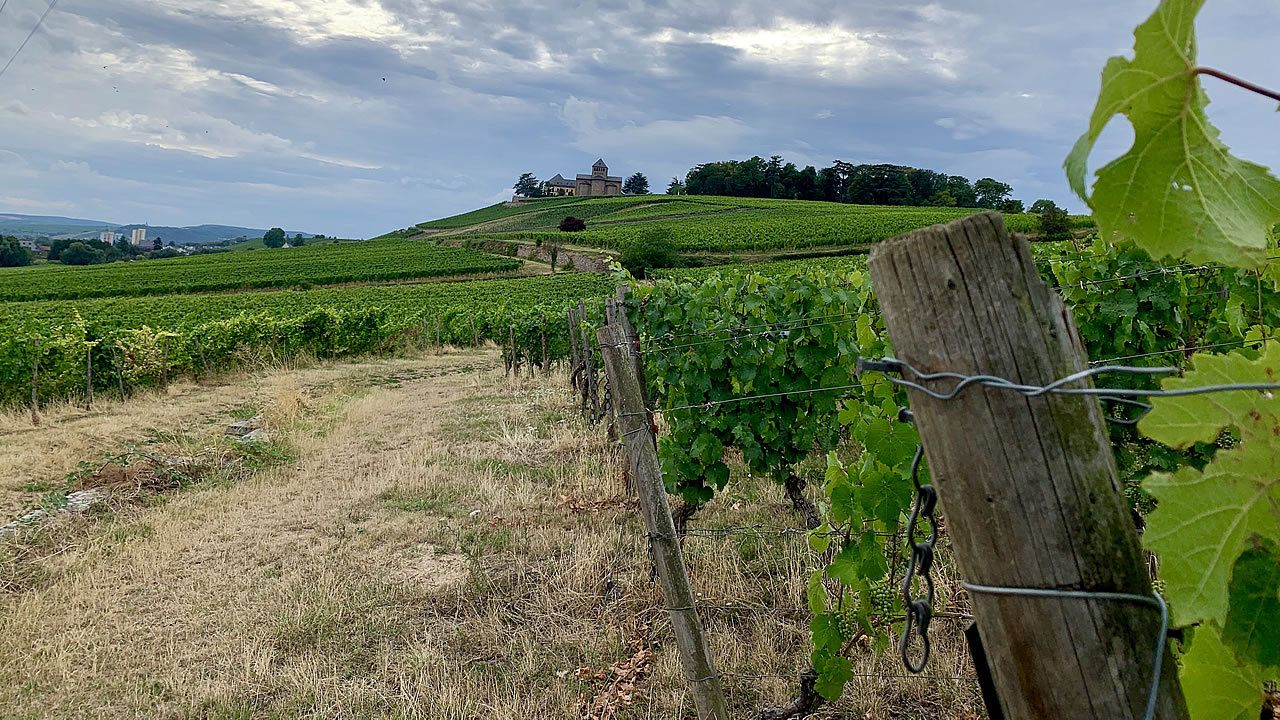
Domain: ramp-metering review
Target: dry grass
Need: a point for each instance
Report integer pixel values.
(444, 544)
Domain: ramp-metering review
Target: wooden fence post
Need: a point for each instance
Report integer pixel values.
(439, 323)
(1029, 484)
(589, 381)
(119, 370)
(166, 363)
(203, 360)
(573, 347)
(88, 377)
(426, 336)
(35, 383)
(515, 357)
(546, 366)
(475, 337)
(704, 682)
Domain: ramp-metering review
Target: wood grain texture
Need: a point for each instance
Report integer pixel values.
(1028, 485)
(616, 343)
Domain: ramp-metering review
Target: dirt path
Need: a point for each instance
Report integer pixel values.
(430, 540)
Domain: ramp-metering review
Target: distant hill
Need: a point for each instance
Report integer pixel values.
(56, 226)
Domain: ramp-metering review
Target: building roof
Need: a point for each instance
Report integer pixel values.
(559, 181)
(612, 178)
(599, 163)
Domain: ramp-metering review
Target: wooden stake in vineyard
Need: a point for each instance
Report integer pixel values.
(203, 361)
(616, 343)
(475, 337)
(574, 368)
(88, 375)
(1029, 484)
(35, 383)
(119, 370)
(166, 362)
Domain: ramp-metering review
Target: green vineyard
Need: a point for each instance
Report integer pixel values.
(139, 340)
(323, 264)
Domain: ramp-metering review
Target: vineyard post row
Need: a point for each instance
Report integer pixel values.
(1029, 482)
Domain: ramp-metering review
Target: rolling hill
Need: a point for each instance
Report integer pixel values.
(57, 226)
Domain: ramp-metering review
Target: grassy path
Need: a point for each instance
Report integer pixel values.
(423, 538)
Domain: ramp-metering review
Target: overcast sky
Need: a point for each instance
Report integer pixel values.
(354, 117)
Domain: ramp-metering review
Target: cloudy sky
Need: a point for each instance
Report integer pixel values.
(354, 117)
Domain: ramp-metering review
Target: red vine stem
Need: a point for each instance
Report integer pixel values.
(1237, 82)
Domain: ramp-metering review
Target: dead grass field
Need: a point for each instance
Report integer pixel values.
(423, 539)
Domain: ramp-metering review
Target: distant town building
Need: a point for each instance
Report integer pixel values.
(29, 244)
(599, 182)
(138, 237)
(107, 237)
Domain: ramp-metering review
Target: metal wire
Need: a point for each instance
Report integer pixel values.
(30, 35)
(1153, 600)
(1193, 348)
(891, 365)
(713, 403)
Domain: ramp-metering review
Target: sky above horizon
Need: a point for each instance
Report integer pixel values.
(355, 117)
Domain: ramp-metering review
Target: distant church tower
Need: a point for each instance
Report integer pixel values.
(599, 182)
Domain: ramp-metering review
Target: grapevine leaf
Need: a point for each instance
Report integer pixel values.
(1182, 421)
(820, 538)
(826, 636)
(842, 502)
(1252, 628)
(833, 673)
(1204, 518)
(1178, 191)
(847, 566)
(1215, 685)
(817, 593)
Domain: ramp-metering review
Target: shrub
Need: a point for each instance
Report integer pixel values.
(572, 224)
(649, 251)
(1055, 224)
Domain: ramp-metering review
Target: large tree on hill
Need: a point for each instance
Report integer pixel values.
(527, 186)
(675, 187)
(991, 193)
(274, 237)
(637, 184)
(157, 243)
(1042, 205)
(879, 185)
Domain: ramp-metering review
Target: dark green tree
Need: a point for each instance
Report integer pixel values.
(78, 253)
(1010, 206)
(298, 240)
(675, 187)
(1041, 205)
(157, 243)
(925, 185)
(942, 198)
(637, 184)
(991, 192)
(274, 237)
(527, 186)
(12, 254)
(962, 190)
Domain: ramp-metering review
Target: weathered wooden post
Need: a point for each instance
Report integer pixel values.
(119, 370)
(546, 364)
(515, 357)
(35, 383)
(616, 344)
(88, 376)
(439, 324)
(475, 337)
(203, 360)
(166, 362)
(589, 367)
(573, 347)
(1028, 483)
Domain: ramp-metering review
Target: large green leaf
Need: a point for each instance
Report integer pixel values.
(1252, 629)
(1216, 686)
(1178, 191)
(1204, 518)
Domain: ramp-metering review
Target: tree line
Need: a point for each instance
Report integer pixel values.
(881, 184)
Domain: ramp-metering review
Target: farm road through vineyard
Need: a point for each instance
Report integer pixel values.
(433, 540)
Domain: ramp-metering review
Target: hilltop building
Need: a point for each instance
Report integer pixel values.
(107, 237)
(560, 185)
(599, 182)
(138, 237)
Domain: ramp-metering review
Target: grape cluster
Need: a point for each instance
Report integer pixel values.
(847, 620)
(1158, 586)
(881, 593)
(1227, 440)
